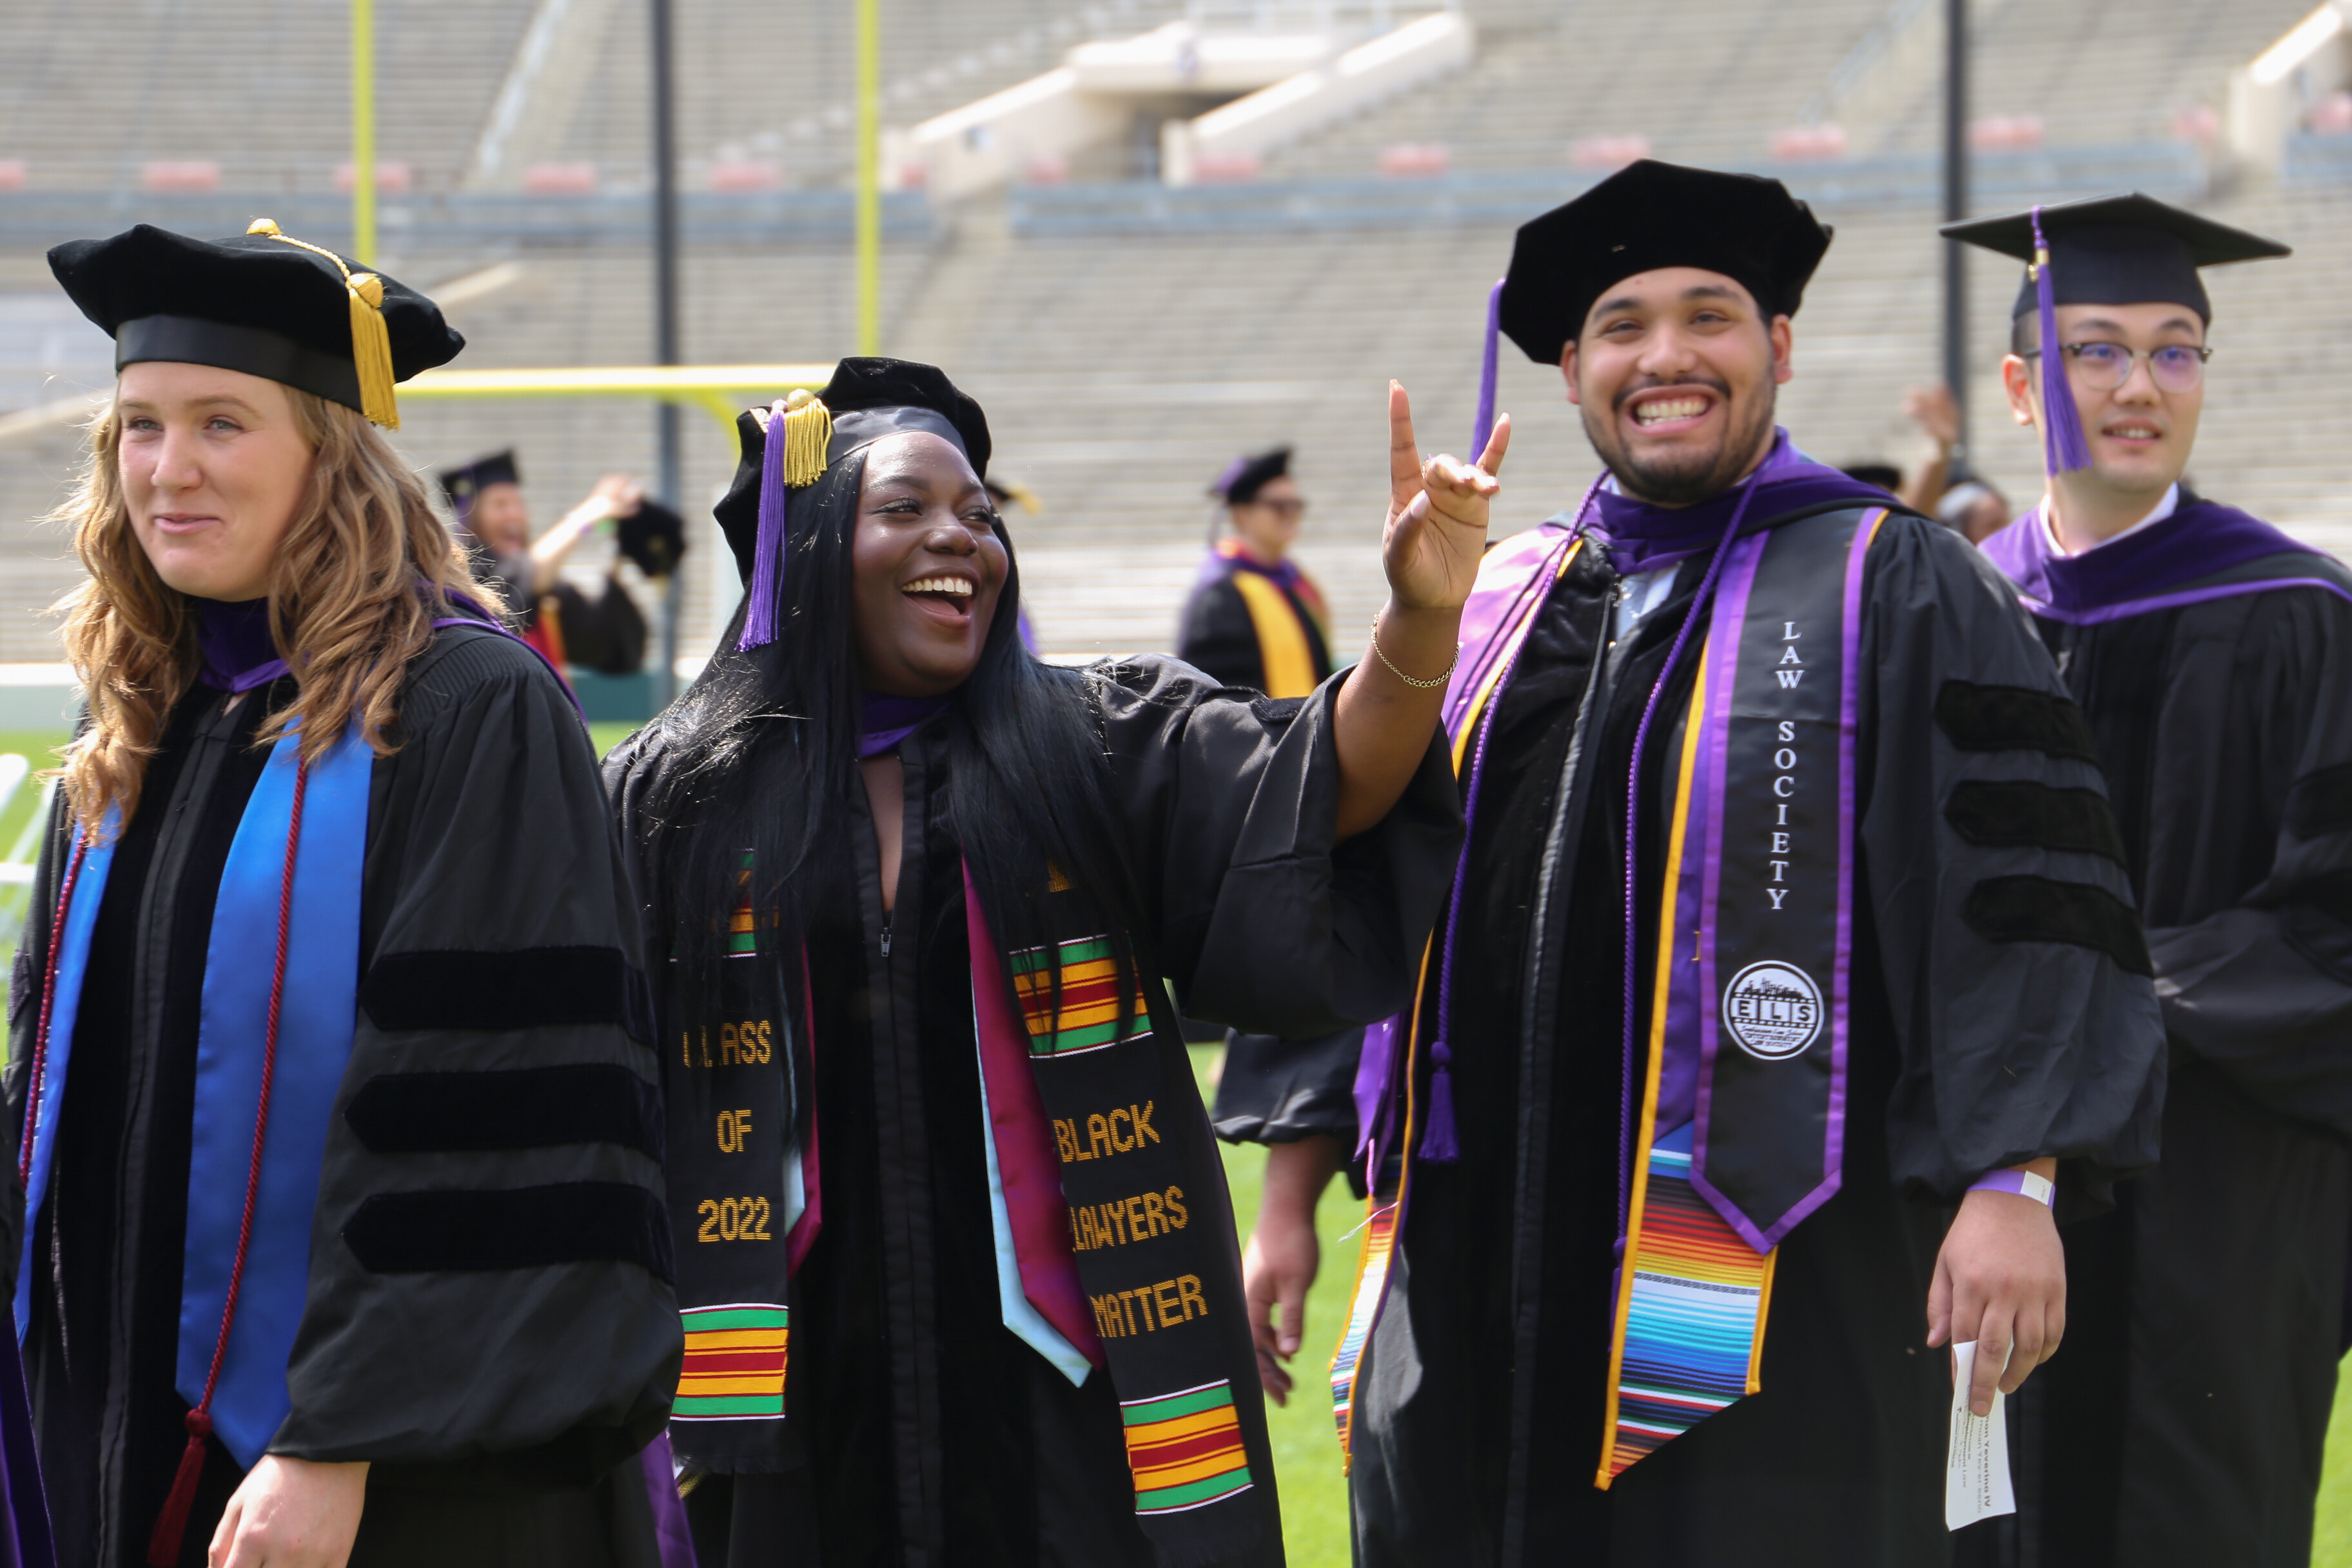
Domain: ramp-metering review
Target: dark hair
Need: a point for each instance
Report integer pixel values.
(760, 754)
(2024, 333)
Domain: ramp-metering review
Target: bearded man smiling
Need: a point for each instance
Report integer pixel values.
(1761, 998)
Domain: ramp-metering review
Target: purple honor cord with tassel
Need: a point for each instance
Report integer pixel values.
(2064, 447)
(768, 551)
(1632, 848)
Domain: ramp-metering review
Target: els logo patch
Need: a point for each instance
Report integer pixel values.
(1773, 1010)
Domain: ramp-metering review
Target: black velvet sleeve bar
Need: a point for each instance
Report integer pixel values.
(2007, 931)
(486, 1290)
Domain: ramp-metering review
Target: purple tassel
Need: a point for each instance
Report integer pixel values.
(2063, 448)
(767, 552)
(1438, 1144)
(1485, 427)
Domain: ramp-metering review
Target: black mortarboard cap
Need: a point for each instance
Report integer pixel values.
(467, 480)
(1250, 473)
(2118, 250)
(653, 537)
(1650, 215)
(262, 303)
(867, 399)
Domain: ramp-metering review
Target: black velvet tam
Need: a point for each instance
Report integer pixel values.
(1647, 215)
(467, 480)
(889, 396)
(1241, 481)
(253, 303)
(653, 537)
(2118, 250)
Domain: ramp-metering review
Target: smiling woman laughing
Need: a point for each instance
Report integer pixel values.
(957, 1263)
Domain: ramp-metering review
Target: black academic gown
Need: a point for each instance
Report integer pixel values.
(1219, 637)
(1480, 1404)
(501, 1402)
(605, 634)
(923, 1432)
(2185, 1421)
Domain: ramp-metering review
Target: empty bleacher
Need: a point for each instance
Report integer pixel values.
(1121, 370)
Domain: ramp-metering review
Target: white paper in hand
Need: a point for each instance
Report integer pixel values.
(1976, 1475)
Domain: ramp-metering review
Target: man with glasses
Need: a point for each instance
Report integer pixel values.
(1255, 619)
(2212, 656)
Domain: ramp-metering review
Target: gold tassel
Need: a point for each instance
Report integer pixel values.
(808, 431)
(371, 350)
(371, 339)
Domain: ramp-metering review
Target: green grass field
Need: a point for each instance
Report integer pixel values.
(1306, 1450)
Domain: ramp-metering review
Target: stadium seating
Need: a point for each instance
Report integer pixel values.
(1120, 369)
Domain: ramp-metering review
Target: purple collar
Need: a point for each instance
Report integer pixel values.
(884, 721)
(2200, 539)
(1226, 557)
(234, 641)
(1642, 537)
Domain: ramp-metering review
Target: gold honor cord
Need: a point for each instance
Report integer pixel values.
(371, 339)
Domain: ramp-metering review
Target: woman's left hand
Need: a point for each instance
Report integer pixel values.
(291, 1513)
(1437, 514)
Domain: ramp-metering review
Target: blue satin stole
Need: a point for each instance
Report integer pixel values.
(317, 1017)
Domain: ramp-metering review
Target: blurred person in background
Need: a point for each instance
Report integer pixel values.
(1253, 618)
(1754, 1033)
(1919, 486)
(2212, 656)
(957, 1269)
(1973, 508)
(606, 634)
(337, 1177)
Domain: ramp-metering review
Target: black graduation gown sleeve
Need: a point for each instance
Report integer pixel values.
(2262, 989)
(1219, 638)
(490, 1266)
(2015, 965)
(1278, 1091)
(1259, 920)
(605, 634)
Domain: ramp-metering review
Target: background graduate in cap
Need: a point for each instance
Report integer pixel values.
(332, 1093)
(1253, 618)
(1763, 1010)
(958, 1270)
(606, 634)
(2213, 657)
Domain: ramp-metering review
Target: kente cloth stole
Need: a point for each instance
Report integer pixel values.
(1281, 646)
(1743, 1117)
(744, 1195)
(317, 1016)
(1514, 580)
(1107, 1219)
(1114, 1213)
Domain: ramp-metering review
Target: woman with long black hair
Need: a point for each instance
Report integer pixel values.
(958, 1270)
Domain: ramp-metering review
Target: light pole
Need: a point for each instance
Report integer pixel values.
(666, 350)
(1956, 206)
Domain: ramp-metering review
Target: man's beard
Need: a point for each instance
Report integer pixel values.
(1684, 479)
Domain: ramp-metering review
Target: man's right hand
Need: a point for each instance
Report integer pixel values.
(1279, 1265)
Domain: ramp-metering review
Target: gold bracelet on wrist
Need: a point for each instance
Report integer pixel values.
(1401, 675)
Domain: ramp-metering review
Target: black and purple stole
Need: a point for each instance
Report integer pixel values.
(1739, 1132)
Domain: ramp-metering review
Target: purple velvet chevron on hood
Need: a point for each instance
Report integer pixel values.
(2161, 566)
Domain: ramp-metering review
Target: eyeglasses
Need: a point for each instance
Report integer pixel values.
(2104, 367)
(1294, 507)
